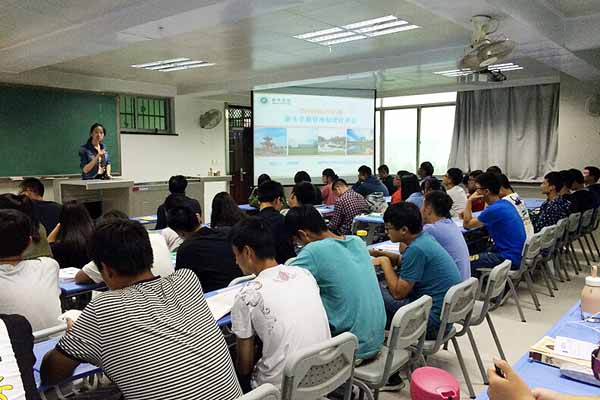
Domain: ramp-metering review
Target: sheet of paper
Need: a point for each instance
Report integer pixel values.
(68, 273)
(573, 348)
(389, 247)
(220, 304)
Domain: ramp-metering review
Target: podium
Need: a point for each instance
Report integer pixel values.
(109, 195)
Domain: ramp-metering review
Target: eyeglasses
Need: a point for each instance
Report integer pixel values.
(596, 363)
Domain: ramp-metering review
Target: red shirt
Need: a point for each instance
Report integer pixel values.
(328, 195)
(397, 196)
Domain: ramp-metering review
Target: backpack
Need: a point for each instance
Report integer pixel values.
(377, 202)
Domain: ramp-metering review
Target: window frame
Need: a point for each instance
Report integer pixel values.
(169, 116)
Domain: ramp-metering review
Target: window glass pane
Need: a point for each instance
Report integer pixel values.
(377, 138)
(400, 139)
(437, 126)
(447, 97)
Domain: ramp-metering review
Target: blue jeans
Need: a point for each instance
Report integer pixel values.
(484, 260)
(391, 304)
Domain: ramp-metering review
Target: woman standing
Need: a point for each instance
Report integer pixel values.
(95, 163)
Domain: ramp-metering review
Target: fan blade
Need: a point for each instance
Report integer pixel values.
(495, 52)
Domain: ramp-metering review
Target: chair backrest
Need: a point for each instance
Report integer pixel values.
(532, 248)
(561, 228)
(587, 219)
(266, 391)
(548, 239)
(317, 370)
(596, 219)
(574, 222)
(497, 280)
(409, 324)
(241, 279)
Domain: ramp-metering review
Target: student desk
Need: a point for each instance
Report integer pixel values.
(541, 375)
(147, 220)
(325, 210)
(247, 208)
(532, 203)
(71, 293)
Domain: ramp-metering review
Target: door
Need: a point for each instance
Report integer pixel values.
(241, 155)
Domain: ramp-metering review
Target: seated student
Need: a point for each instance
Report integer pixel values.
(69, 239)
(29, 287)
(436, 217)
(368, 183)
(253, 199)
(16, 359)
(225, 213)
(452, 180)
(348, 205)
(153, 336)
(177, 186)
(397, 195)
(343, 270)
(281, 306)
(503, 223)
(303, 193)
(47, 212)
(270, 197)
(591, 175)
(494, 169)
(303, 176)
(327, 193)
(507, 193)
(427, 185)
(410, 185)
(580, 198)
(555, 207)
(38, 246)
(162, 265)
(384, 175)
(425, 170)
(425, 267)
(206, 251)
(477, 203)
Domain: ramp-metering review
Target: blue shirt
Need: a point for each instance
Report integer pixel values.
(505, 226)
(86, 153)
(426, 264)
(349, 289)
(452, 240)
(416, 198)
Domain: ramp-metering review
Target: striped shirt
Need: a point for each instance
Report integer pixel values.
(155, 339)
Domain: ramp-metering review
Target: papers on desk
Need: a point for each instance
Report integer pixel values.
(573, 348)
(68, 273)
(389, 247)
(149, 218)
(220, 304)
(544, 351)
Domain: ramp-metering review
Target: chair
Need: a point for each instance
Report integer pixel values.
(409, 327)
(266, 391)
(587, 223)
(548, 243)
(45, 334)
(319, 369)
(572, 232)
(241, 279)
(457, 308)
(592, 228)
(496, 283)
(561, 230)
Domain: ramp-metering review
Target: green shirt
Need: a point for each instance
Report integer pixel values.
(40, 248)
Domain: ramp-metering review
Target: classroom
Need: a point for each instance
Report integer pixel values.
(299, 199)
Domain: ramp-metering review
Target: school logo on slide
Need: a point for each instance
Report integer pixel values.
(264, 100)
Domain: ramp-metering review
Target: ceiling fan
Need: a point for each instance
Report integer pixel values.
(485, 49)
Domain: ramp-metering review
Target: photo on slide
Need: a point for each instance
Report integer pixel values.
(270, 142)
(360, 142)
(332, 141)
(302, 141)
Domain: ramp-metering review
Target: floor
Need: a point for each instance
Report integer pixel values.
(516, 337)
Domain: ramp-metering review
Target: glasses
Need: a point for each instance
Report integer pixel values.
(596, 363)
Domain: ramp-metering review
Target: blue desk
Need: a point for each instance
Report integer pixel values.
(247, 207)
(541, 375)
(325, 210)
(377, 218)
(68, 287)
(532, 203)
(146, 220)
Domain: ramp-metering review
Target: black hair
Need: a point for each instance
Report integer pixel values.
(304, 218)
(575, 175)
(177, 184)
(329, 173)
(365, 170)
(9, 201)
(34, 185)
(123, 245)
(305, 192)
(182, 218)
(262, 178)
(256, 233)
(455, 175)
(403, 172)
(594, 172)
(494, 169)
(410, 185)
(489, 180)
(225, 211)
(339, 181)
(15, 230)
(76, 227)
(94, 126)
(302, 176)
(111, 216)
(430, 183)
(440, 202)
(427, 167)
(504, 182)
(384, 168)
(404, 214)
(555, 179)
(270, 191)
(475, 174)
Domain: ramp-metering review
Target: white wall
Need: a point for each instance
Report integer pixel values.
(578, 132)
(155, 158)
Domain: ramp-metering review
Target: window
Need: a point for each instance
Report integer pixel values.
(437, 126)
(145, 115)
(400, 139)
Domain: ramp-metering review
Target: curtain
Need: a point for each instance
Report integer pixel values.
(515, 128)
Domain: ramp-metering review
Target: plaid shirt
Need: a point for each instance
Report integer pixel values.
(347, 206)
(551, 211)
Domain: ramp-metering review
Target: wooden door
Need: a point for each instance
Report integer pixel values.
(241, 155)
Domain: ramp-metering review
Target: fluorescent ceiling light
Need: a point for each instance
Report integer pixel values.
(359, 30)
(175, 64)
(187, 67)
(155, 63)
(501, 65)
(514, 68)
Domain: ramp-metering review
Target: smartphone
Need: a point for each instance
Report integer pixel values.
(499, 372)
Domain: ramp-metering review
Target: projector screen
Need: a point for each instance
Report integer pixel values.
(303, 129)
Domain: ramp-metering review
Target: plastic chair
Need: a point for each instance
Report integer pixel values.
(409, 327)
(548, 243)
(592, 228)
(266, 391)
(571, 236)
(587, 223)
(561, 230)
(457, 308)
(45, 334)
(496, 283)
(319, 369)
(241, 279)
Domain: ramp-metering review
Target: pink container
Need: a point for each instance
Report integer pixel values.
(430, 383)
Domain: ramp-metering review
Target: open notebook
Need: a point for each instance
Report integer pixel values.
(220, 304)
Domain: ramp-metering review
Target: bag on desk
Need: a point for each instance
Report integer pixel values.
(377, 202)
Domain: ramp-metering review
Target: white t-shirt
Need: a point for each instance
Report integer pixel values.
(162, 265)
(31, 289)
(283, 307)
(519, 204)
(459, 200)
(172, 238)
(9, 368)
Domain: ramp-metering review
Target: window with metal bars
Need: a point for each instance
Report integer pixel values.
(145, 115)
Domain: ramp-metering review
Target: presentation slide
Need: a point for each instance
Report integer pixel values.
(294, 132)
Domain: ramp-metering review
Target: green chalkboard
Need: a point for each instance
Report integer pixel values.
(41, 130)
